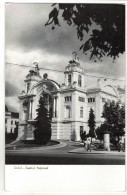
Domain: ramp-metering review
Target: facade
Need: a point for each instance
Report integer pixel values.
(70, 102)
(11, 118)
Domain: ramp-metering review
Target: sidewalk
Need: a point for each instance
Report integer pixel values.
(83, 151)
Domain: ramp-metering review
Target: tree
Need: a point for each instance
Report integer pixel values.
(16, 130)
(84, 136)
(42, 132)
(100, 131)
(91, 124)
(106, 39)
(114, 115)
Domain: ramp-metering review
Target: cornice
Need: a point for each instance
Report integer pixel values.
(26, 96)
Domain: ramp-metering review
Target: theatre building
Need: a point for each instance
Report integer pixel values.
(70, 102)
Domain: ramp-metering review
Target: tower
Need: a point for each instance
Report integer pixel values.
(74, 73)
(32, 78)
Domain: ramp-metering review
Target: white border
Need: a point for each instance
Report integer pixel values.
(72, 178)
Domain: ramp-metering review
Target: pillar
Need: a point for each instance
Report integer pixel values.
(107, 141)
(58, 105)
(54, 106)
(30, 110)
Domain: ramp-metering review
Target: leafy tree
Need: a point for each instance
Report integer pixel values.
(100, 131)
(114, 115)
(91, 124)
(106, 39)
(84, 136)
(16, 130)
(42, 132)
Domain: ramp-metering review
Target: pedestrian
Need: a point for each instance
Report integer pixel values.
(120, 146)
(85, 145)
(88, 145)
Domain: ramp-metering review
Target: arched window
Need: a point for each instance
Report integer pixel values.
(79, 81)
(69, 79)
(81, 112)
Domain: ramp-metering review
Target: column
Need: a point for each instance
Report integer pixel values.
(54, 106)
(58, 105)
(31, 108)
(33, 112)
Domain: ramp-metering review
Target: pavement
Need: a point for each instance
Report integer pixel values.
(65, 153)
(10, 147)
(83, 151)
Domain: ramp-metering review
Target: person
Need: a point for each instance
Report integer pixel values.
(120, 146)
(88, 145)
(85, 144)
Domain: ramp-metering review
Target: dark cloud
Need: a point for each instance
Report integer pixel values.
(33, 35)
(26, 36)
(11, 89)
(45, 39)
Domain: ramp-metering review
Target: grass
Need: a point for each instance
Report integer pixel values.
(30, 144)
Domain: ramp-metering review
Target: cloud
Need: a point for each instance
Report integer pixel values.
(27, 30)
(10, 89)
(28, 40)
(12, 103)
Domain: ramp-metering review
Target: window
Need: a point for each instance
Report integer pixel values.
(67, 112)
(11, 122)
(25, 104)
(103, 99)
(68, 98)
(79, 80)
(6, 120)
(81, 130)
(69, 79)
(81, 112)
(108, 100)
(81, 99)
(91, 100)
(15, 122)
(28, 87)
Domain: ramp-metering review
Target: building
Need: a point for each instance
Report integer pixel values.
(11, 118)
(70, 102)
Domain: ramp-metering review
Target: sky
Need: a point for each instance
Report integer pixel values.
(27, 41)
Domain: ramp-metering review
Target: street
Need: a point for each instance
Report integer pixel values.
(63, 155)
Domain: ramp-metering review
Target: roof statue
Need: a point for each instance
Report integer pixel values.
(36, 68)
(75, 59)
(75, 56)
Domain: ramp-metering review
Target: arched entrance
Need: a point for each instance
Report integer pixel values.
(49, 102)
